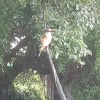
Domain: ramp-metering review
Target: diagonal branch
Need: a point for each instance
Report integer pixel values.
(56, 79)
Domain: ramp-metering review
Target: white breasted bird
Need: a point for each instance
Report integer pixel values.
(46, 39)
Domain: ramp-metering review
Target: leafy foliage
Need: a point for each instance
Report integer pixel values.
(88, 93)
(77, 35)
(29, 85)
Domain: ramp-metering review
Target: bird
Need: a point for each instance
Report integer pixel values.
(46, 39)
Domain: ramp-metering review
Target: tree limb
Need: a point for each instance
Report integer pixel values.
(56, 79)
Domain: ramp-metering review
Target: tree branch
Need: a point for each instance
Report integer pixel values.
(56, 79)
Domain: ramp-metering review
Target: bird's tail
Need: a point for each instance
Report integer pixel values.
(41, 49)
(39, 53)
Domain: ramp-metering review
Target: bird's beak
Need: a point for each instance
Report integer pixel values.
(49, 30)
(52, 30)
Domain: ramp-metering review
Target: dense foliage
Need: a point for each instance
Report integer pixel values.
(77, 36)
(30, 86)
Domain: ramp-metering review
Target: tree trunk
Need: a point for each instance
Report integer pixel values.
(1, 95)
(50, 87)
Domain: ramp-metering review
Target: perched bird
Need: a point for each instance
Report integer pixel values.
(46, 39)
